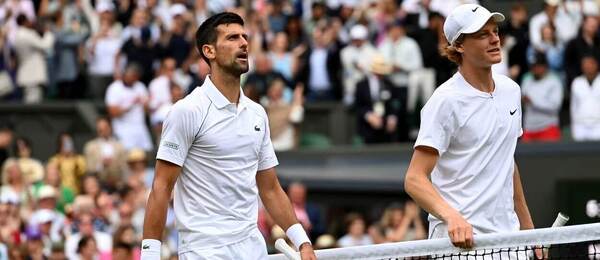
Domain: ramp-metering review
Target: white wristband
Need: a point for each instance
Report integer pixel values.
(297, 235)
(150, 249)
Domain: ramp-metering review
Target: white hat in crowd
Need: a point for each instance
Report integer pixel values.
(467, 18)
(359, 32)
(104, 6)
(46, 192)
(177, 9)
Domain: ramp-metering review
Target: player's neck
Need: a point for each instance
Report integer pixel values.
(479, 78)
(227, 84)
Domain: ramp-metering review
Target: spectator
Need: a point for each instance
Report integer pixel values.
(105, 155)
(176, 40)
(430, 40)
(284, 61)
(404, 54)
(87, 249)
(356, 59)
(586, 43)
(32, 168)
(10, 218)
(308, 215)
(90, 186)
(127, 102)
(7, 63)
(160, 93)
(262, 76)
(284, 117)
(34, 244)
(71, 165)
(542, 94)
(125, 243)
(355, 232)
(70, 33)
(554, 13)
(399, 224)
(295, 32)
(15, 188)
(31, 50)
(550, 46)
(102, 50)
(64, 195)
(175, 94)
(516, 31)
(74, 244)
(321, 67)
(144, 51)
(47, 218)
(6, 139)
(585, 102)
(380, 111)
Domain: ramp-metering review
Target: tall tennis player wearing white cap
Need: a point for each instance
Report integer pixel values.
(216, 152)
(468, 135)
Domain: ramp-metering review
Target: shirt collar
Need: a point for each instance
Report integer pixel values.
(219, 99)
(469, 89)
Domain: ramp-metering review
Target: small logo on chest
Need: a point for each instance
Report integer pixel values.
(256, 128)
(513, 112)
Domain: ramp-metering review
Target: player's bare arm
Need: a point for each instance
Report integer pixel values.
(278, 205)
(418, 185)
(158, 201)
(520, 203)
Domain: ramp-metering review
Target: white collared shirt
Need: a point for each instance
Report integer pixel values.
(475, 134)
(220, 147)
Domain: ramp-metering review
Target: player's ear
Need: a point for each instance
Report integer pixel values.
(459, 47)
(209, 51)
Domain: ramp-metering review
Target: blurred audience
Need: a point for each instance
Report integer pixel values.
(284, 117)
(399, 223)
(308, 214)
(105, 155)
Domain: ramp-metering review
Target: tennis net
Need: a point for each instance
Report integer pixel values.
(569, 242)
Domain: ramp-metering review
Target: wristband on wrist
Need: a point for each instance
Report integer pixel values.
(151, 249)
(297, 235)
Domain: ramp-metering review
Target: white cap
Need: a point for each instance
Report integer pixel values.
(42, 216)
(359, 32)
(552, 2)
(46, 192)
(177, 9)
(8, 196)
(104, 6)
(467, 18)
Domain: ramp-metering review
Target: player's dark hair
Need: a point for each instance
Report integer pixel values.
(207, 32)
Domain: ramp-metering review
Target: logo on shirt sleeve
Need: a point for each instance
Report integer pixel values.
(171, 145)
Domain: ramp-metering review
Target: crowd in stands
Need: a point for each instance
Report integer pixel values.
(379, 58)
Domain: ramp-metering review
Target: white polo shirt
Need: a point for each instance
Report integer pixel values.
(475, 134)
(220, 148)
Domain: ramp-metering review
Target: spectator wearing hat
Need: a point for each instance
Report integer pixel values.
(542, 95)
(10, 217)
(71, 165)
(105, 155)
(585, 102)
(356, 59)
(378, 105)
(65, 196)
(34, 244)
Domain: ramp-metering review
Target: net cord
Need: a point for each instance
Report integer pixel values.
(542, 236)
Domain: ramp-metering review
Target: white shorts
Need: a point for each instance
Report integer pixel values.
(251, 248)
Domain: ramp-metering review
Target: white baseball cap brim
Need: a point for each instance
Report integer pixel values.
(466, 19)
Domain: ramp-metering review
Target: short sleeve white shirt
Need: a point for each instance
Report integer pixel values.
(220, 147)
(475, 134)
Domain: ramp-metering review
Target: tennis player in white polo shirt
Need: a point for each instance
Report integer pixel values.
(215, 151)
(468, 135)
